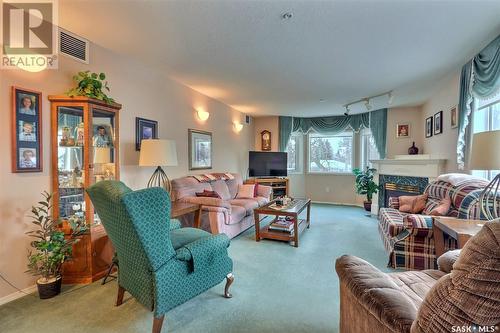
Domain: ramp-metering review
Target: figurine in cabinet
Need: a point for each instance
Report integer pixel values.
(80, 135)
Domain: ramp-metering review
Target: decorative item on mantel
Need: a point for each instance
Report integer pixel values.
(413, 150)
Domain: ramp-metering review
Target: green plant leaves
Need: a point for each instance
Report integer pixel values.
(90, 85)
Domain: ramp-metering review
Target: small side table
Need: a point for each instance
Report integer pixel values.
(459, 229)
(179, 209)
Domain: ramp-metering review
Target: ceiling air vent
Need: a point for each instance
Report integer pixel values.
(74, 46)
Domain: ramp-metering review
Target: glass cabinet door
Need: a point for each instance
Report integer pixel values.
(102, 146)
(70, 161)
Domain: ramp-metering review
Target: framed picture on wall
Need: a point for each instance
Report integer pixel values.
(145, 129)
(403, 131)
(200, 149)
(438, 123)
(265, 140)
(428, 127)
(26, 150)
(454, 117)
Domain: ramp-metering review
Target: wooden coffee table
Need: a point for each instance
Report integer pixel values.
(179, 209)
(459, 229)
(293, 211)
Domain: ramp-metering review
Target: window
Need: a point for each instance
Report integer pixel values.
(294, 150)
(331, 153)
(486, 118)
(368, 149)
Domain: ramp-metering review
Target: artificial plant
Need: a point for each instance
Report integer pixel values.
(364, 183)
(50, 249)
(90, 85)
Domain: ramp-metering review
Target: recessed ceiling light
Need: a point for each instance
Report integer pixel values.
(287, 16)
(321, 100)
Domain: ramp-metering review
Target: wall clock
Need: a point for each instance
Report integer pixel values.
(265, 137)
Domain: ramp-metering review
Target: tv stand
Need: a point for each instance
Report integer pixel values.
(279, 185)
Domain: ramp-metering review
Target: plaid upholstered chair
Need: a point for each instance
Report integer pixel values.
(160, 267)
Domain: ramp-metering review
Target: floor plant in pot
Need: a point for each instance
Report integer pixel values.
(365, 185)
(50, 248)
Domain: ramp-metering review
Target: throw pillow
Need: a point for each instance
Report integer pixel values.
(443, 208)
(412, 204)
(256, 191)
(208, 194)
(245, 191)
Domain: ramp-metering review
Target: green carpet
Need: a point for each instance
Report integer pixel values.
(277, 288)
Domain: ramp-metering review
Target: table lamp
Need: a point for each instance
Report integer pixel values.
(158, 153)
(485, 155)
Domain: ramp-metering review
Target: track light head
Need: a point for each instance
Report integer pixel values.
(346, 113)
(367, 104)
(391, 98)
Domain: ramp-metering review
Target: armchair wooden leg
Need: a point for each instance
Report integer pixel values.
(229, 282)
(157, 324)
(119, 298)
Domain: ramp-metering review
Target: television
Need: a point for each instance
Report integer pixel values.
(267, 164)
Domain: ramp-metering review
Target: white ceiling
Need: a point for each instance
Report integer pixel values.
(244, 54)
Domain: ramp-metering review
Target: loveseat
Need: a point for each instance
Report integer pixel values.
(464, 293)
(408, 238)
(228, 214)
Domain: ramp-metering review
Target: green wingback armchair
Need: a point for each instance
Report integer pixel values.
(161, 267)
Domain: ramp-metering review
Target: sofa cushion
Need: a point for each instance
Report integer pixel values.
(220, 187)
(261, 200)
(416, 284)
(245, 191)
(238, 213)
(391, 221)
(442, 209)
(445, 262)
(248, 204)
(470, 294)
(412, 204)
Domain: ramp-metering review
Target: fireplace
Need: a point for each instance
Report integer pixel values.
(393, 186)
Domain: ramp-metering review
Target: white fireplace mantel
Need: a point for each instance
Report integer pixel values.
(407, 165)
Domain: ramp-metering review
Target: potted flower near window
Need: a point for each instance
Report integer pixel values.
(365, 185)
(50, 247)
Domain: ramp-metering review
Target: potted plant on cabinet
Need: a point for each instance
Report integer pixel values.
(51, 248)
(365, 185)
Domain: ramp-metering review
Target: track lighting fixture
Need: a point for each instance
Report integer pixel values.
(367, 104)
(366, 101)
(346, 113)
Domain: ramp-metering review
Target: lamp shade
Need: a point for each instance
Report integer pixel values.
(102, 155)
(485, 153)
(156, 152)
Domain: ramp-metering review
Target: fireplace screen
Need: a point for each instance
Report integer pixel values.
(395, 186)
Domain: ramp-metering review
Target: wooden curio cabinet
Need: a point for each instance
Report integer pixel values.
(85, 150)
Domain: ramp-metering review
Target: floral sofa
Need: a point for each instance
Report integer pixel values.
(408, 238)
(228, 214)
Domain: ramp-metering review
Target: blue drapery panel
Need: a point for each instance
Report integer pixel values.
(378, 126)
(480, 77)
(285, 125)
(376, 121)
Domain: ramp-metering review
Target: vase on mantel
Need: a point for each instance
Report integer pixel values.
(413, 150)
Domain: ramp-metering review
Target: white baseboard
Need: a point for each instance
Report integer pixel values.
(336, 203)
(17, 294)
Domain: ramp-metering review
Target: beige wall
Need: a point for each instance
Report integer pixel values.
(143, 92)
(267, 123)
(411, 115)
(445, 144)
